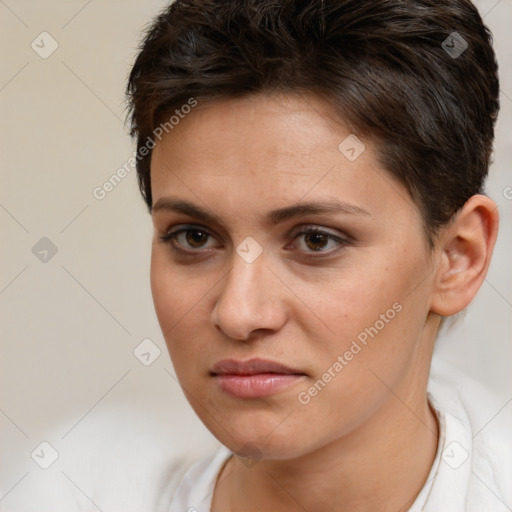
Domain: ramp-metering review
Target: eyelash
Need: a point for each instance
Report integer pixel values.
(172, 235)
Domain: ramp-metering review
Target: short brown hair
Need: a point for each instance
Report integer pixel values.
(384, 65)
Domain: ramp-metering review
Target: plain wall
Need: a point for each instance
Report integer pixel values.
(70, 324)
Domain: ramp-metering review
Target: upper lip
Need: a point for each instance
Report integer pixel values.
(251, 367)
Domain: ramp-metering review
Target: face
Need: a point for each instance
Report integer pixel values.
(339, 296)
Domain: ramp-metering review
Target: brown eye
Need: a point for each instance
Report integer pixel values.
(187, 239)
(319, 241)
(196, 238)
(316, 241)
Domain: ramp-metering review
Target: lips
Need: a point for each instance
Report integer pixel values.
(252, 367)
(255, 378)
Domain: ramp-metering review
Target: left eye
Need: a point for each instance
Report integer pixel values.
(317, 240)
(194, 239)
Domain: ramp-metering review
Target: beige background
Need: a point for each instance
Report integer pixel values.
(70, 325)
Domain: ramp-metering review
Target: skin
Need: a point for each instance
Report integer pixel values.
(367, 440)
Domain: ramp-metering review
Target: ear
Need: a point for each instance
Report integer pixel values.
(465, 246)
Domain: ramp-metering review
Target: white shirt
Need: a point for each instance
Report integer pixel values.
(467, 475)
(126, 459)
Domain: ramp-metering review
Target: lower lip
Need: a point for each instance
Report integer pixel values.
(256, 386)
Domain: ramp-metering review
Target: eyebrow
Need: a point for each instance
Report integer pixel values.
(273, 217)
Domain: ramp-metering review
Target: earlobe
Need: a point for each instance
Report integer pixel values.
(466, 248)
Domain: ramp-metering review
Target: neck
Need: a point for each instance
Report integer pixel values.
(381, 466)
(366, 475)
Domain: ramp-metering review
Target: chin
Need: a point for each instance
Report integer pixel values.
(256, 438)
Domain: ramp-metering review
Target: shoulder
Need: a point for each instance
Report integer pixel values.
(476, 458)
(125, 456)
(194, 492)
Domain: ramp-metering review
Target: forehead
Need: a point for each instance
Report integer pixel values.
(259, 127)
(273, 150)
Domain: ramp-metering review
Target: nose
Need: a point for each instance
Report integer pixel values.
(250, 300)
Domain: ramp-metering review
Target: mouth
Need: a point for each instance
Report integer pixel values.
(255, 378)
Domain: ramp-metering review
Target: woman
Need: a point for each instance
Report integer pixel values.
(314, 171)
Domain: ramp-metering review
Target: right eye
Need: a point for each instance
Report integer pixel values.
(191, 238)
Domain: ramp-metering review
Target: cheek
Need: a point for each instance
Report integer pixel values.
(172, 297)
(164, 289)
(370, 318)
(346, 302)
(175, 291)
(181, 303)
